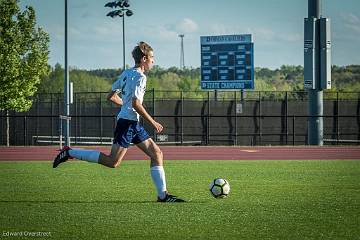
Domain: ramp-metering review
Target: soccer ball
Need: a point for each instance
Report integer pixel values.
(219, 188)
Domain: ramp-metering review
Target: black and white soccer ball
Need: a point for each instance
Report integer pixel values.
(219, 188)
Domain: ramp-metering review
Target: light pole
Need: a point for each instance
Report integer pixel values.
(66, 85)
(182, 59)
(123, 10)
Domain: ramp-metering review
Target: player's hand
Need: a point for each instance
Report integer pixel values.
(158, 127)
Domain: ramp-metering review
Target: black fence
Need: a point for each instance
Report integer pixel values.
(192, 118)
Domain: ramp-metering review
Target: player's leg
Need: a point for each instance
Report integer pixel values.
(92, 156)
(122, 139)
(114, 159)
(150, 148)
(143, 141)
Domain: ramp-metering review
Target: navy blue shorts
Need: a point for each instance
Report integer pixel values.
(128, 131)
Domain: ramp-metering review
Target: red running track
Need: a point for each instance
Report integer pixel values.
(200, 153)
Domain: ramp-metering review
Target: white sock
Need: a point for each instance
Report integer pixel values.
(85, 155)
(158, 177)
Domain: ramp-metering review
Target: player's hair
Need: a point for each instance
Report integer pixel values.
(141, 50)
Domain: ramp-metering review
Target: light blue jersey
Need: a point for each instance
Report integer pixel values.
(131, 84)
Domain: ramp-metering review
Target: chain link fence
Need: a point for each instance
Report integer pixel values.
(192, 118)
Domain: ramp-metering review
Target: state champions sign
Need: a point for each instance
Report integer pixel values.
(227, 62)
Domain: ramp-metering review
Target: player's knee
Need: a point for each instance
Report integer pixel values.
(114, 163)
(158, 153)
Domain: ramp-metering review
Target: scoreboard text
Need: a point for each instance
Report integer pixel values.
(227, 62)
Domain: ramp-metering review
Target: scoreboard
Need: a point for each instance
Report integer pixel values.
(227, 62)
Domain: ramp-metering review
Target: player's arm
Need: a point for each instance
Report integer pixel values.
(113, 95)
(139, 108)
(114, 98)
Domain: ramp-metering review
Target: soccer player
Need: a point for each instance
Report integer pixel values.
(131, 84)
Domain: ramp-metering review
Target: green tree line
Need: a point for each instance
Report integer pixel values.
(170, 81)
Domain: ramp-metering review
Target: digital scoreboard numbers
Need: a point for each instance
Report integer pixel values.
(227, 62)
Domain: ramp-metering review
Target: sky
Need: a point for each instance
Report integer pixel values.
(276, 26)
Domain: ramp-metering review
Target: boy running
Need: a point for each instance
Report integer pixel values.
(131, 84)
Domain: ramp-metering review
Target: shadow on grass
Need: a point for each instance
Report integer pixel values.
(73, 201)
(91, 202)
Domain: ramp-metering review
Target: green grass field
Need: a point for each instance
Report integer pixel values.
(268, 200)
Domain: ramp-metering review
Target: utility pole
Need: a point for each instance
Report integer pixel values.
(66, 84)
(317, 68)
(182, 58)
(123, 34)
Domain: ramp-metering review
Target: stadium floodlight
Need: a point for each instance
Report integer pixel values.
(126, 3)
(111, 4)
(129, 13)
(115, 13)
(119, 4)
(124, 10)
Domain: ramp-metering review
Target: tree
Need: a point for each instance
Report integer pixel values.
(23, 57)
(54, 81)
(84, 81)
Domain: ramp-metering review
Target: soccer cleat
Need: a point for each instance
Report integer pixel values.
(63, 156)
(170, 198)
